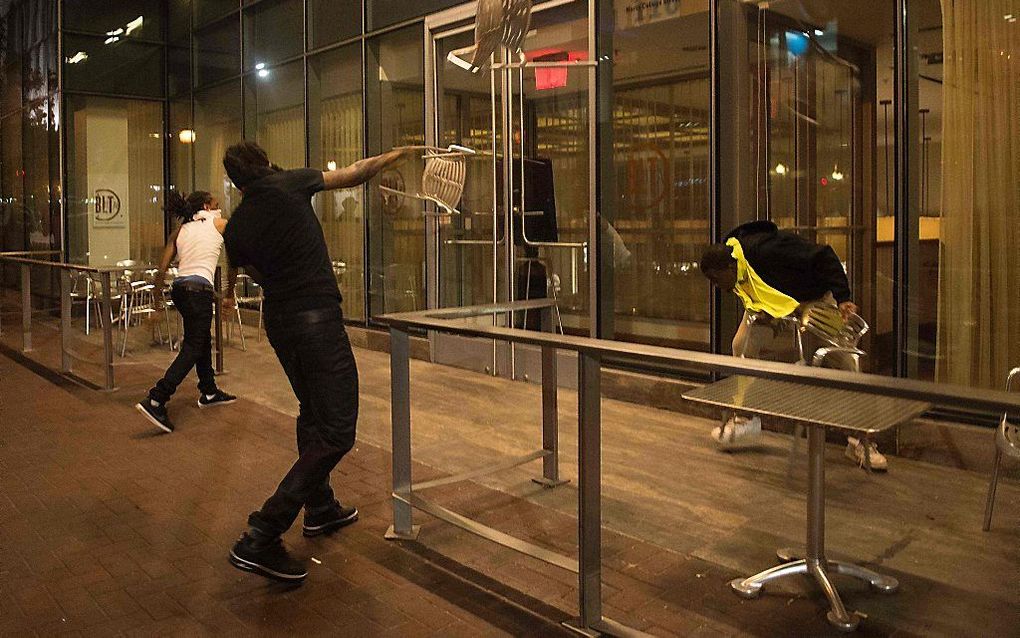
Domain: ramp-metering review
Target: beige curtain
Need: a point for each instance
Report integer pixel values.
(979, 298)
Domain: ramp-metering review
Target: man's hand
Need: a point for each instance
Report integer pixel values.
(159, 303)
(229, 303)
(848, 308)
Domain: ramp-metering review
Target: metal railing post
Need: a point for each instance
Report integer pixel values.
(65, 320)
(400, 402)
(550, 411)
(218, 319)
(26, 308)
(589, 479)
(107, 310)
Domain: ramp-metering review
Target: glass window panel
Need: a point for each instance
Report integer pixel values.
(384, 13)
(662, 217)
(181, 138)
(124, 67)
(12, 185)
(206, 11)
(273, 31)
(335, 136)
(274, 112)
(332, 21)
(217, 127)
(139, 18)
(395, 91)
(217, 51)
(114, 197)
(806, 138)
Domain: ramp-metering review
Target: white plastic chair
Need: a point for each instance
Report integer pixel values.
(1007, 442)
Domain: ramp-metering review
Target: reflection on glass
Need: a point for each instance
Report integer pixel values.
(274, 112)
(396, 102)
(661, 112)
(332, 21)
(335, 125)
(217, 126)
(273, 31)
(467, 274)
(124, 67)
(114, 180)
(217, 50)
(818, 140)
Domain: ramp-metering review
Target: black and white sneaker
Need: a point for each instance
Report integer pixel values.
(266, 558)
(156, 414)
(329, 520)
(219, 398)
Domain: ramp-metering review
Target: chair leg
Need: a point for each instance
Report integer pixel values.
(240, 327)
(992, 485)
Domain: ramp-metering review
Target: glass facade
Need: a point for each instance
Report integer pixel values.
(884, 128)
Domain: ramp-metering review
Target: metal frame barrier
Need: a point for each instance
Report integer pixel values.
(28, 259)
(590, 352)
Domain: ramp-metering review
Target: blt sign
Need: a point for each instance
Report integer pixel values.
(106, 209)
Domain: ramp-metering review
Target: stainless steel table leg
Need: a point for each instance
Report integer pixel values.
(880, 582)
(751, 587)
(838, 615)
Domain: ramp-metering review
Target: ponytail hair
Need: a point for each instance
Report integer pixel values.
(184, 208)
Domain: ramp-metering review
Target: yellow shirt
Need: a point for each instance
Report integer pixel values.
(757, 295)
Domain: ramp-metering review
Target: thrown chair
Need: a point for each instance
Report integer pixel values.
(498, 22)
(1007, 442)
(442, 181)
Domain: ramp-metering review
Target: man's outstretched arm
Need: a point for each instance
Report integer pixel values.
(363, 170)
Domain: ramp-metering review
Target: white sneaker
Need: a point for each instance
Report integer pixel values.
(866, 454)
(738, 432)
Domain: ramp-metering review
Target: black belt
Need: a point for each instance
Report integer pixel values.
(192, 286)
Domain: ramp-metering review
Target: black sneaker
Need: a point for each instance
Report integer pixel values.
(220, 398)
(269, 559)
(329, 520)
(156, 414)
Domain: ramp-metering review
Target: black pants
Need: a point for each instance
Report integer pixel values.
(195, 304)
(316, 355)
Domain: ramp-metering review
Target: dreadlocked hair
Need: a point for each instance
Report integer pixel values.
(184, 208)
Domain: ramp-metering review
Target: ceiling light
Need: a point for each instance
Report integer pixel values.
(331, 165)
(781, 169)
(260, 66)
(111, 40)
(819, 32)
(80, 56)
(837, 175)
(115, 32)
(187, 136)
(134, 24)
(263, 73)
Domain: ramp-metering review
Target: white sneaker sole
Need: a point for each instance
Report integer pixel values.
(852, 455)
(255, 568)
(152, 419)
(318, 530)
(212, 405)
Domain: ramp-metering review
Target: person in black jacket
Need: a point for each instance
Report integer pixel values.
(802, 270)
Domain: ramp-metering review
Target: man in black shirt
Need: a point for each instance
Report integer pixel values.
(796, 268)
(275, 235)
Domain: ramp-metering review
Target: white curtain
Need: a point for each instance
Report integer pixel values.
(979, 282)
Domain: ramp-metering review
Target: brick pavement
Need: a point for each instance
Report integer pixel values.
(107, 528)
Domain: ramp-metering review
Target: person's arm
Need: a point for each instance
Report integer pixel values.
(363, 170)
(829, 270)
(164, 263)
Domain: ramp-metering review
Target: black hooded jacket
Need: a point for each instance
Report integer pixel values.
(791, 264)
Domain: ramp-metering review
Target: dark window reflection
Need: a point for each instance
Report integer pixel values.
(217, 51)
(383, 13)
(331, 21)
(273, 31)
(124, 67)
(138, 19)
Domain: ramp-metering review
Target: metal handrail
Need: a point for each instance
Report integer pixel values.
(955, 396)
(106, 285)
(590, 354)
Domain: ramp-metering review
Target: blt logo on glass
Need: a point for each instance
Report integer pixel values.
(106, 208)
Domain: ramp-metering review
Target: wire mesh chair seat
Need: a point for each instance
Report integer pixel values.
(247, 292)
(837, 332)
(442, 181)
(497, 22)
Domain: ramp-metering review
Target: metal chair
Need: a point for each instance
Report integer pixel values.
(85, 289)
(442, 181)
(251, 293)
(137, 301)
(497, 22)
(1007, 442)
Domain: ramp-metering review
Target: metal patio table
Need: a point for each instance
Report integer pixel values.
(818, 408)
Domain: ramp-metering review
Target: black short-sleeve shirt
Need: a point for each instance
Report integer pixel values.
(275, 231)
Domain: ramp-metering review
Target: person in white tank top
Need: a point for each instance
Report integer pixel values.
(196, 243)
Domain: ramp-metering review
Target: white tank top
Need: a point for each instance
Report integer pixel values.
(198, 246)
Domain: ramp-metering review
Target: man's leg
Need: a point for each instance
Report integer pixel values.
(203, 363)
(326, 375)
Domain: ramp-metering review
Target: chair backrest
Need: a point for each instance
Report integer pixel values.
(443, 178)
(1007, 438)
(499, 22)
(827, 322)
